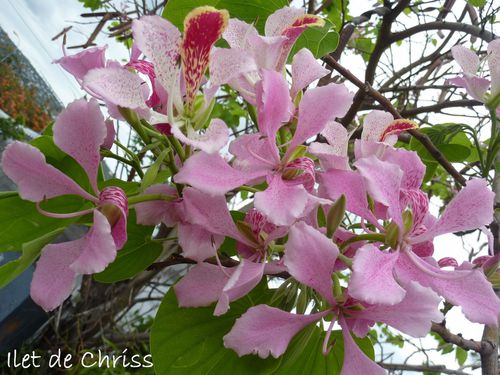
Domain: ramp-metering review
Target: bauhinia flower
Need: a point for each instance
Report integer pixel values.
(475, 85)
(310, 259)
(290, 178)
(79, 131)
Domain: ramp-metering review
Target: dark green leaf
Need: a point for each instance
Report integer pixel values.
(189, 341)
(319, 40)
(255, 11)
(30, 251)
(21, 222)
(137, 254)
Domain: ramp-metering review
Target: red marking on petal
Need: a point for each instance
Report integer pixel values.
(447, 262)
(203, 26)
(398, 126)
(293, 31)
(165, 128)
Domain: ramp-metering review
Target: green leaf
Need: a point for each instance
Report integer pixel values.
(255, 11)
(189, 341)
(477, 3)
(92, 4)
(460, 355)
(21, 222)
(319, 40)
(30, 251)
(137, 254)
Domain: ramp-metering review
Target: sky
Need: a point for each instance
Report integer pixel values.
(31, 24)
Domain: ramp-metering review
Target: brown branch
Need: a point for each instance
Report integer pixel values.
(422, 138)
(458, 340)
(421, 368)
(455, 26)
(439, 106)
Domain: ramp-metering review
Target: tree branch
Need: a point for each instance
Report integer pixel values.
(421, 368)
(451, 338)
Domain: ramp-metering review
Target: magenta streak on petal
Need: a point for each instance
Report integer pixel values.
(327, 348)
(115, 196)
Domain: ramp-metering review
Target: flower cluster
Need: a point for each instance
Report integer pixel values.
(377, 266)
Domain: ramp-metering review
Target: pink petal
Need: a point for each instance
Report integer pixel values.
(332, 155)
(246, 277)
(477, 87)
(310, 258)
(97, 249)
(372, 278)
(375, 124)
(305, 70)
(36, 180)
(468, 60)
(252, 152)
(110, 135)
(156, 212)
(79, 64)
(334, 183)
(118, 86)
(411, 165)
(281, 19)
(383, 183)
(116, 198)
(227, 64)
(159, 40)
(201, 286)
(265, 330)
(212, 174)
(494, 65)
(355, 361)
(212, 140)
(197, 243)
(318, 107)
(282, 203)
(238, 32)
(53, 280)
(80, 131)
(471, 208)
(413, 315)
(268, 51)
(473, 292)
(203, 26)
(274, 105)
(210, 212)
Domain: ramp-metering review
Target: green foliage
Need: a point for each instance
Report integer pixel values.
(319, 40)
(477, 3)
(189, 341)
(336, 14)
(92, 4)
(30, 251)
(137, 254)
(20, 221)
(255, 11)
(10, 129)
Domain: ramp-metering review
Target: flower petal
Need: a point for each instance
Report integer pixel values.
(212, 140)
(156, 212)
(471, 208)
(265, 330)
(118, 86)
(80, 63)
(413, 315)
(238, 32)
(281, 19)
(252, 153)
(473, 292)
(310, 258)
(274, 105)
(383, 183)
(197, 243)
(201, 286)
(36, 180)
(212, 174)
(245, 277)
(159, 40)
(80, 131)
(494, 65)
(53, 280)
(355, 361)
(115, 198)
(203, 26)
(318, 107)
(305, 70)
(227, 64)
(97, 249)
(282, 203)
(372, 277)
(468, 60)
(411, 165)
(375, 124)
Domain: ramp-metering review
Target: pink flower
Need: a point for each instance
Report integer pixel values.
(37, 181)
